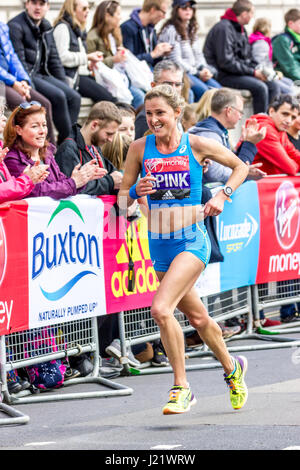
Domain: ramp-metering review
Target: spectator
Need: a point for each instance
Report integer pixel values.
(181, 31)
(12, 188)
(293, 132)
(84, 145)
(189, 117)
(139, 35)
(226, 111)
(128, 119)
(70, 38)
(105, 36)
(116, 150)
(228, 50)
(275, 151)
(33, 41)
(203, 108)
(278, 155)
(25, 136)
(165, 72)
(286, 46)
(262, 52)
(16, 79)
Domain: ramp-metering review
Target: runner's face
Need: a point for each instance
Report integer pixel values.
(161, 118)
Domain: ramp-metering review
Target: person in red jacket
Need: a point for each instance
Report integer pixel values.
(12, 188)
(276, 153)
(279, 156)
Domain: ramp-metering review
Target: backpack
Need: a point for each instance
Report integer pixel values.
(48, 374)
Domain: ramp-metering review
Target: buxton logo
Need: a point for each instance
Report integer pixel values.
(61, 249)
(3, 252)
(287, 215)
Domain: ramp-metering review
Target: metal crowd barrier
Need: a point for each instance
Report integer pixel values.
(72, 338)
(137, 326)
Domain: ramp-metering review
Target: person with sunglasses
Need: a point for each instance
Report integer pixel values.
(181, 31)
(12, 188)
(25, 137)
(70, 38)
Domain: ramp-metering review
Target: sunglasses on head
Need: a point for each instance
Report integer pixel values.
(27, 105)
(186, 6)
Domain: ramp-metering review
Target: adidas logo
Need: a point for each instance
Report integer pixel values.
(168, 195)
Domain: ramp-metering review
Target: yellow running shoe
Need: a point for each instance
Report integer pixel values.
(180, 400)
(236, 383)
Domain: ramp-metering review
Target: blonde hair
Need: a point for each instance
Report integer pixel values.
(69, 7)
(172, 98)
(203, 109)
(116, 150)
(263, 25)
(187, 114)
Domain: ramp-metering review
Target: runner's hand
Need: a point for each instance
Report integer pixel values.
(145, 185)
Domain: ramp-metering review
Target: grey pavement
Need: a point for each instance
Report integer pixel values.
(269, 421)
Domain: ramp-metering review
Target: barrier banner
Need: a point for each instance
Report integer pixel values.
(52, 266)
(14, 296)
(66, 260)
(121, 238)
(279, 229)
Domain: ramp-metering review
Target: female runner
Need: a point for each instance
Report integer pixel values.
(170, 165)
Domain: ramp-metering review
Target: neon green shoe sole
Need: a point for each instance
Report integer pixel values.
(180, 401)
(236, 383)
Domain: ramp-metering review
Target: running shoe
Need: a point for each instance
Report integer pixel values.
(236, 383)
(180, 400)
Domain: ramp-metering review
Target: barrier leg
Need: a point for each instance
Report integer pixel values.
(12, 416)
(115, 389)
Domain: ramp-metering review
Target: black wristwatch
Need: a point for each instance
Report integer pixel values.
(228, 191)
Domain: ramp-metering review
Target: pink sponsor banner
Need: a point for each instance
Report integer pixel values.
(120, 238)
(279, 253)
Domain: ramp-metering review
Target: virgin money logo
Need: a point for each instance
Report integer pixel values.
(154, 164)
(3, 252)
(287, 215)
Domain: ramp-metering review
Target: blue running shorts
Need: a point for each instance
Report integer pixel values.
(164, 247)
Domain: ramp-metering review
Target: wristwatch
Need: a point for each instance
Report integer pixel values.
(228, 191)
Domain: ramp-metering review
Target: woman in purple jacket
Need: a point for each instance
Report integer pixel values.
(12, 188)
(25, 136)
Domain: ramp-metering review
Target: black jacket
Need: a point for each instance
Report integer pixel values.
(35, 46)
(138, 38)
(227, 49)
(73, 151)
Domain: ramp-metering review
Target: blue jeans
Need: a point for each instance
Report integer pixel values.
(262, 93)
(199, 87)
(138, 96)
(64, 100)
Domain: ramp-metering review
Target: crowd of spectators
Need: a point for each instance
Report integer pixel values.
(46, 69)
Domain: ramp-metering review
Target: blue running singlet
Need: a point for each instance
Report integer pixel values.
(178, 182)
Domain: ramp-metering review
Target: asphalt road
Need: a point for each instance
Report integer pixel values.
(269, 421)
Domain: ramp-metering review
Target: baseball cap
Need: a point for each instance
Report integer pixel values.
(181, 3)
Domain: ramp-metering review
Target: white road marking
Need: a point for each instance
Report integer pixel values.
(39, 443)
(292, 448)
(165, 447)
